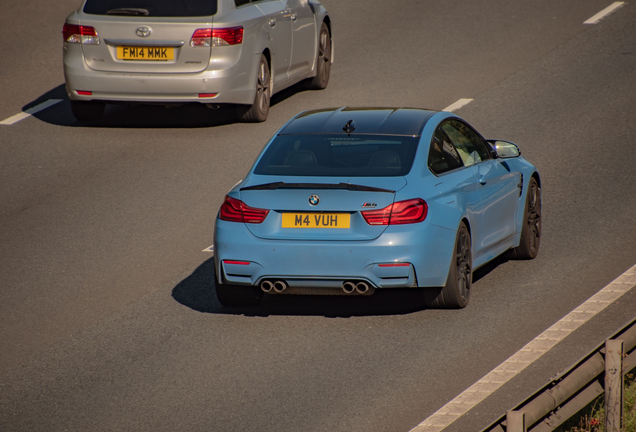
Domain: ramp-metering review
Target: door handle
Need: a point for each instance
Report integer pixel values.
(272, 22)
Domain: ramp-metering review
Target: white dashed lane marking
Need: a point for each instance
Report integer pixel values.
(28, 113)
(457, 105)
(528, 354)
(605, 12)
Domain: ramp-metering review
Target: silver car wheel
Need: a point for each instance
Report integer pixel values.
(323, 63)
(262, 86)
(260, 108)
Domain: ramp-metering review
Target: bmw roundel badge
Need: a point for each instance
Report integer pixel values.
(314, 200)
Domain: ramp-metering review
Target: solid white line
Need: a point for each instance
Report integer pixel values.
(457, 105)
(528, 354)
(605, 12)
(28, 113)
(209, 249)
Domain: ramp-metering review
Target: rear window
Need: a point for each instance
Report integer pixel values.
(154, 8)
(338, 156)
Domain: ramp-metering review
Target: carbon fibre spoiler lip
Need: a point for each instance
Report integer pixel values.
(346, 186)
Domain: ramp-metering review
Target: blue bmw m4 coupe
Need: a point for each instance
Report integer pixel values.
(345, 201)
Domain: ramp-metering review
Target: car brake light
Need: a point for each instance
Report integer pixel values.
(399, 213)
(86, 35)
(217, 37)
(234, 210)
(399, 264)
(236, 262)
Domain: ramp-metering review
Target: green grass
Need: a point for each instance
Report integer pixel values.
(592, 417)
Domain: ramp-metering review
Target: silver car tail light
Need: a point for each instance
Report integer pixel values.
(80, 34)
(217, 37)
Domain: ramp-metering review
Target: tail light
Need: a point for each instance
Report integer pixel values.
(402, 212)
(234, 210)
(217, 37)
(86, 35)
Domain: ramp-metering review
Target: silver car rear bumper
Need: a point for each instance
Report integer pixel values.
(234, 84)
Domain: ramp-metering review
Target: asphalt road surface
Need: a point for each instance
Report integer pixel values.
(108, 320)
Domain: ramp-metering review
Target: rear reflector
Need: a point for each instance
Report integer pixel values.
(84, 93)
(236, 262)
(80, 34)
(399, 213)
(207, 95)
(217, 37)
(394, 265)
(234, 210)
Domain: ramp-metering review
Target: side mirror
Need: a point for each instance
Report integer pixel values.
(505, 149)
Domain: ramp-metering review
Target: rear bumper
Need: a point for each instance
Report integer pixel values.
(428, 250)
(233, 84)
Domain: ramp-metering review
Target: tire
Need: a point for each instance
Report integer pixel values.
(87, 111)
(531, 230)
(323, 62)
(456, 293)
(260, 108)
(237, 295)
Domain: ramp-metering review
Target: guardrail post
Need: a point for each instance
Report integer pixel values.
(516, 421)
(613, 385)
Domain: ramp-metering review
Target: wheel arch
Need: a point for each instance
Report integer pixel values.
(268, 56)
(327, 21)
(467, 223)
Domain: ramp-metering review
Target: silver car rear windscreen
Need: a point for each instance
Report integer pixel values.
(153, 8)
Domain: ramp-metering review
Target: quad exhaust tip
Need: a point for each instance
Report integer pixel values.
(348, 287)
(360, 287)
(269, 286)
(280, 286)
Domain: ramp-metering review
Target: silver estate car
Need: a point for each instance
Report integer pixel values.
(215, 52)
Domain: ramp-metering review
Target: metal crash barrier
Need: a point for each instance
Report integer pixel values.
(601, 371)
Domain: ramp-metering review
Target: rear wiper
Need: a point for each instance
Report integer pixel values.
(128, 11)
(347, 186)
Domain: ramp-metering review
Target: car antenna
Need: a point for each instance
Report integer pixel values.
(349, 127)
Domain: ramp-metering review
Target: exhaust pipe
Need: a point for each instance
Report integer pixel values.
(267, 286)
(348, 287)
(280, 286)
(362, 287)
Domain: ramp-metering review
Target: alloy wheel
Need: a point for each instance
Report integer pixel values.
(262, 87)
(463, 259)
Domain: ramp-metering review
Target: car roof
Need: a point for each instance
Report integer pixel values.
(375, 121)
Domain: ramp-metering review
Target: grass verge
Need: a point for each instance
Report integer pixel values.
(592, 417)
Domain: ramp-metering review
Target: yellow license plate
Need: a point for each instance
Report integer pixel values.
(145, 53)
(316, 220)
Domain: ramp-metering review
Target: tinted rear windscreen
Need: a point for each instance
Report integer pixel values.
(338, 156)
(154, 8)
